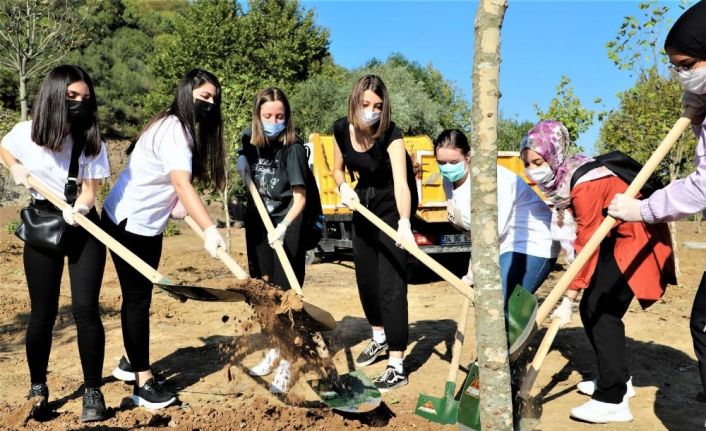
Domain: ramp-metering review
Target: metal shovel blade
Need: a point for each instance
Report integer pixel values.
(442, 410)
(353, 392)
(199, 293)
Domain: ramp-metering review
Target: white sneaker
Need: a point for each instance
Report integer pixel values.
(266, 365)
(588, 387)
(282, 379)
(598, 412)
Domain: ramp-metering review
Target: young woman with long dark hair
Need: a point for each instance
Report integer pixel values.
(64, 116)
(181, 144)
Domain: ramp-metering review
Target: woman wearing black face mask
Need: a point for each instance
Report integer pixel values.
(64, 116)
(181, 143)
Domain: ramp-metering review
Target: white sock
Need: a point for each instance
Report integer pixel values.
(397, 363)
(379, 336)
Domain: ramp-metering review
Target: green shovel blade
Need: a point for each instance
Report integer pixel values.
(353, 392)
(442, 410)
(469, 404)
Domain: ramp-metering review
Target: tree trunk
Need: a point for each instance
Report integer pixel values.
(23, 96)
(491, 336)
(697, 221)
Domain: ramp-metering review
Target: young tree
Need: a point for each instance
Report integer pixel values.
(491, 336)
(34, 35)
(510, 133)
(567, 108)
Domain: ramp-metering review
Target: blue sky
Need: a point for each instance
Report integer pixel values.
(541, 41)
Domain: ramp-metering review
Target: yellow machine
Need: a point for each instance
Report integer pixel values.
(433, 232)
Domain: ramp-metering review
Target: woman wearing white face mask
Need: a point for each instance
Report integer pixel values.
(275, 158)
(527, 252)
(369, 144)
(686, 47)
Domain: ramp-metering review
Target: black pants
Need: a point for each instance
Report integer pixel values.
(136, 291)
(381, 268)
(262, 259)
(43, 269)
(698, 328)
(604, 303)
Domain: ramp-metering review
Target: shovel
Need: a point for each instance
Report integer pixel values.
(444, 410)
(180, 291)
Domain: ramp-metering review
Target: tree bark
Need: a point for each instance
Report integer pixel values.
(23, 97)
(491, 335)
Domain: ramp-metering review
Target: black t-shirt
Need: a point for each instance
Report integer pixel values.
(373, 166)
(275, 170)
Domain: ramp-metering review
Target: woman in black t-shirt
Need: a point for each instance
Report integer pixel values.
(273, 156)
(369, 144)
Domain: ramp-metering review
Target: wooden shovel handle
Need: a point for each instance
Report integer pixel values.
(536, 364)
(416, 252)
(458, 341)
(279, 248)
(595, 241)
(223, 255)
(133, 260)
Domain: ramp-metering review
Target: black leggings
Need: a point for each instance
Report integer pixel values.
(262, 259)
(43, 269)
(698, 328)
(604, 303)
(136, 291)
(381, 268)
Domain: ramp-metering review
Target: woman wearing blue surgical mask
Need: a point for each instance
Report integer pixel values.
(527, 252)
(686, 48)
(275, 158)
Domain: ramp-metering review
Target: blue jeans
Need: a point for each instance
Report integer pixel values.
(526, 270)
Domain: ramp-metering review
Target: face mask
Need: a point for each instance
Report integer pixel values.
(204, 110)
(76, 110)
(370, 117)
(452, 171)
(273, 129)
(694, 80)
(540, 175)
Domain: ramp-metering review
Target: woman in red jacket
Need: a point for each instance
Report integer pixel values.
(635, 260)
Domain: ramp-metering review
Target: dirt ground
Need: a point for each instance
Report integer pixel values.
(190, 344)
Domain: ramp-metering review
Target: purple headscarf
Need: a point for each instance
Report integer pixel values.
(550, 139)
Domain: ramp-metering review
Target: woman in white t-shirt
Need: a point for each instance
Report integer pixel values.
(181, 143)
(64, 115)
(527, 252)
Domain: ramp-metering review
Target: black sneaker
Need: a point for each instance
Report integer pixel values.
(124, 372)
(152, 395)
(390, 379)
(41, 408)
(371, 352)
(93, 405)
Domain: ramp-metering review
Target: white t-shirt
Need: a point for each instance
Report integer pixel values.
(50, 167)
(524, 220)
(143, 193)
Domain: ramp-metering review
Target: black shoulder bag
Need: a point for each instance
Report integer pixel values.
(44, 226)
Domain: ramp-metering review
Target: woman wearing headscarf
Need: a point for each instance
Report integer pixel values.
(686, 48)
(635, 260)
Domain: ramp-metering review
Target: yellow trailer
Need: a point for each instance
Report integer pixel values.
(433, 232)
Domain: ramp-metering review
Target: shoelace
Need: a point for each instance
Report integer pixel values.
(370, 348)
(281, 379)
(386, 375)
(92, 396)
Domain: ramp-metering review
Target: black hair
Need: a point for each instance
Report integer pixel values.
(452, 138)
(50, 119)
(208, 156)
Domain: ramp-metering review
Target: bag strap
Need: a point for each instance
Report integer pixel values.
(583, 170)
(71, 187)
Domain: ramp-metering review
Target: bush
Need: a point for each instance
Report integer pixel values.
(12, 226)
(171, 229)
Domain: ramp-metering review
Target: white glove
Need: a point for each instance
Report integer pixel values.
(69, 211)
(277, 234)
(242, 166)
(696, 101)
(468, 279)
(19, 174)
(404, 233)
(179, 212)
(625, 208)
(212, 240)
(347, 195)
(564, 311)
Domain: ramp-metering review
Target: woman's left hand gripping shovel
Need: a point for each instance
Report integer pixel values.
(181, 292)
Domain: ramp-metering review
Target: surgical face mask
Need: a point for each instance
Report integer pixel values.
(540, 175)
(204, 110)
(77, 110)
(370, 117)
(694, 80)
(452, 171)
(273, 129)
